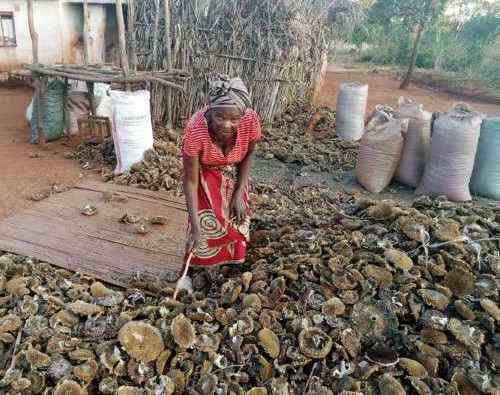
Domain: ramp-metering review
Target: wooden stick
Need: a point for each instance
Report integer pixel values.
(87, 53)
(131, 35)
(33, 33)
(220, 55)
(184, 274)
(155, 33)
(168, 56)
(163, 82)
(168, 39)
(136, 78)
(98, 70)
(65, 104)
(72, 76)
(16, 346)
(86, 32)
(121, 37)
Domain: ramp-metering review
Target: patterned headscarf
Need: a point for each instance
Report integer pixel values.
(225, 91)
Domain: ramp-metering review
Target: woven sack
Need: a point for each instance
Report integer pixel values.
(52, 104)
(379, 154)
(131, 127)
(454, 142)
(351, 109)
(77, 107)
(485, 179)
(416, 144)
(380, 115)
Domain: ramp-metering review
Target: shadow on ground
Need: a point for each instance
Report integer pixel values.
(282, 176)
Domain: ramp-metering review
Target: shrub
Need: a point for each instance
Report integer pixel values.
(490, 66)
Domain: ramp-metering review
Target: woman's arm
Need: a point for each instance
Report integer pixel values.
(243, 177)
(190, 184)
(244, 169)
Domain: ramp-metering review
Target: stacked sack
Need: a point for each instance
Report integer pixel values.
(52, 119)
(351, 108)
(433, 152)
(485, 179)
(132, 128)
(453, 147)
(417, 142)
(380, 151)
(394, 144)
(78, 104)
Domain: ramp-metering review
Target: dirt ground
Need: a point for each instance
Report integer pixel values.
(25, 168)
(383, 89)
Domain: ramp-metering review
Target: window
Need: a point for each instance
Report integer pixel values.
(7, 30)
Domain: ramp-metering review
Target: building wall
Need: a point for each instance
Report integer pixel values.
(72, 15)
(59, 26)
(98, 33)
(49, 34)
(111, 35)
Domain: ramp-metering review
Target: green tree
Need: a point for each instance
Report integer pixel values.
(415, 15)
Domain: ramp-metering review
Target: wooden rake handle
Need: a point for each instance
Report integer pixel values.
(184, 274)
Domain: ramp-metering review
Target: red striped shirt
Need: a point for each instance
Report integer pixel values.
(197, 140)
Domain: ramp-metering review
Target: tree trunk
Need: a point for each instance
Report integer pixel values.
(416, 44)
(439, 57)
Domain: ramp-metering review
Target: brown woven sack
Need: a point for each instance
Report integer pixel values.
(77, 107)
(454, 142)
(416, 142)
(379, 154)
(380, 115)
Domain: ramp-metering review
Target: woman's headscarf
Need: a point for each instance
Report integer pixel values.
(225, 91)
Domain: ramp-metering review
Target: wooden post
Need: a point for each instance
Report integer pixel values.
(168, 56)
(168, 39)
(39, 111)
(36, 77)
(87, 52)
(86, 32)
(65, 102)
(320, 79)
(33, 33)
(90, 90)
(131, 35)
(121, 36)
(156, 24)
(155, 33)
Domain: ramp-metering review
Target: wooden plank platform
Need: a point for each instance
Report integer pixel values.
(100, 246)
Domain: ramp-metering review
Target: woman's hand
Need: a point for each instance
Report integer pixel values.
(238, 208)
(194, 241)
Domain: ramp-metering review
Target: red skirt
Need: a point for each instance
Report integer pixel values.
(223, 240)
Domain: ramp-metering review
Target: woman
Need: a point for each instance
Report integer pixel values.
(217, 150)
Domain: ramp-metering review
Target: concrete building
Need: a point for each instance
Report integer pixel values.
(59, 24)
